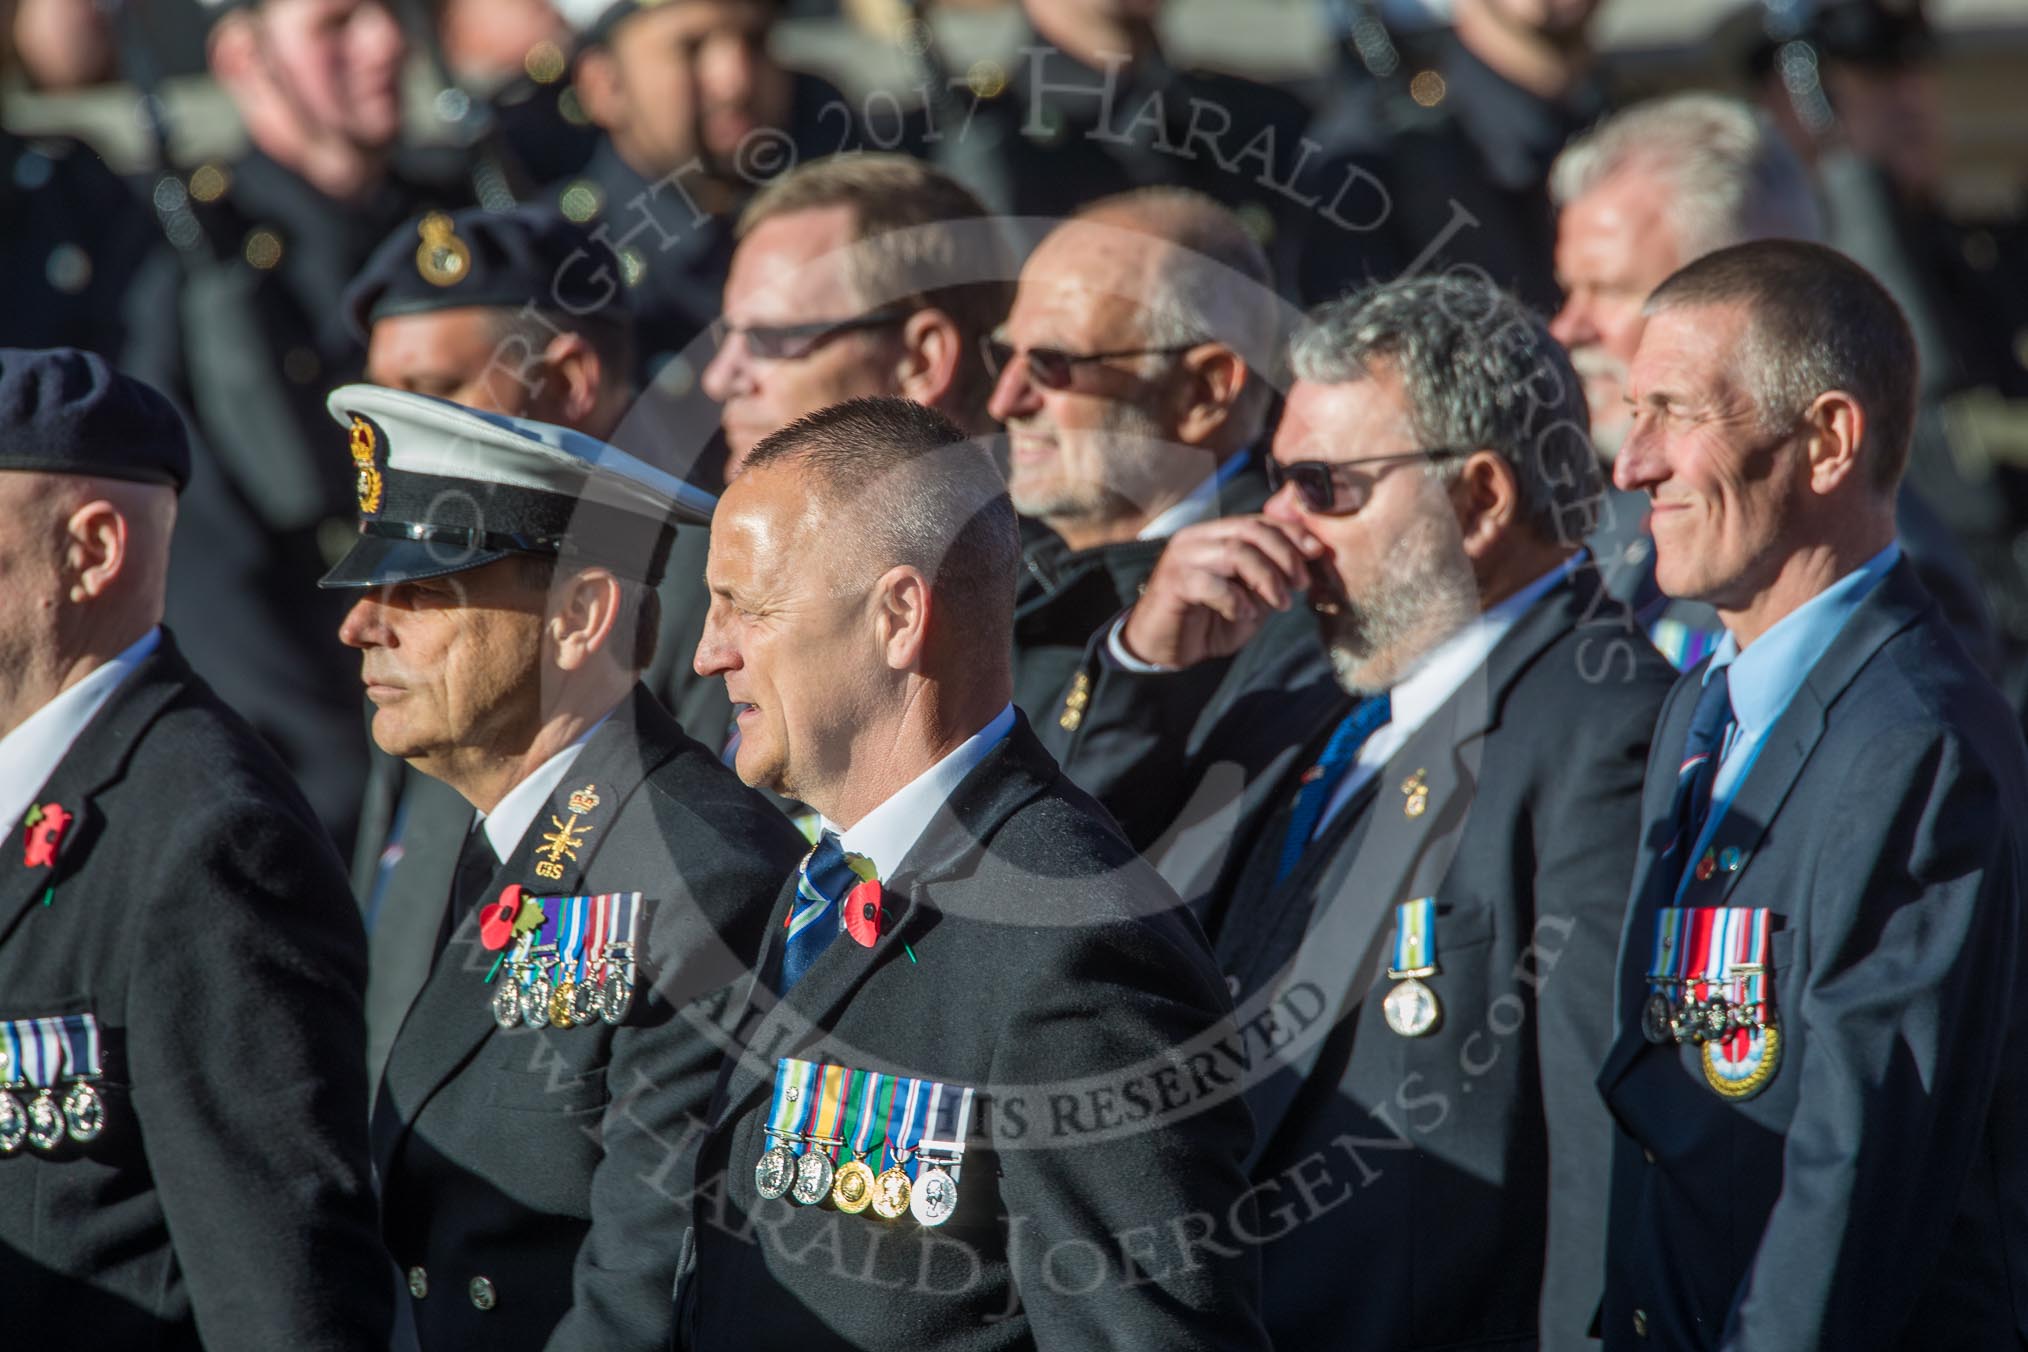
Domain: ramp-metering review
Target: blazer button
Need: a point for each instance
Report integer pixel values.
(1647, 1155)
(1640, 1323)
(483, 1295)
(418, 1282)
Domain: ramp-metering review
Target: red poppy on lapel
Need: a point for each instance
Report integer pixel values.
(496, 923)
(46, 825)
(864, 914)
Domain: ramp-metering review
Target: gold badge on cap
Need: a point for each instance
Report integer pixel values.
(442, 258)
(363, 443)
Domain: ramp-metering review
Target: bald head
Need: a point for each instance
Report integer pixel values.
(82, 573)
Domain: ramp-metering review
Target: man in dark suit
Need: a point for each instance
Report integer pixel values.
(521, 313)
(182, 1160)
(1133, 380)
(1819, 1074)
(532, 1130)
(1387, 738)
(959, 1118)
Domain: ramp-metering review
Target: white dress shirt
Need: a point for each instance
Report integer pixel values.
(509, 819)
(30, 754)
(886, 834)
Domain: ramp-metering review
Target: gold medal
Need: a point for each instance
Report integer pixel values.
(853, 1187)
(561, 1012)
(890, 1194)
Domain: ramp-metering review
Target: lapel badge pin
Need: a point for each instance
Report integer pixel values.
(46, 825)
(1731, 859)
(1415, 789)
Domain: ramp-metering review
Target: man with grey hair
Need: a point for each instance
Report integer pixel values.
(1134, 380)
(1387, 742)
(966, 976)
(1642, 194)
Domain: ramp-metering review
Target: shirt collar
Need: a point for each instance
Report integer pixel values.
(1765, 677)
(1447, 666)
(886, 834)
(509, 819)
(30, 753)
(1200, 505)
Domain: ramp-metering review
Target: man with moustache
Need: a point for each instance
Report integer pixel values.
(533, 1129)
(857, 275)
(1383, 741)
(1638, 196)
(924, 1142)
(1133, 381)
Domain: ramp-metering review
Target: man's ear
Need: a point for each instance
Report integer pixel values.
(583, 616)
(1834, 431)
(902, 608)
(95, 553)
(1487, 499)
(1214, 375)
(229, 51)
(578, 375)
(931, 352)
(597, 81)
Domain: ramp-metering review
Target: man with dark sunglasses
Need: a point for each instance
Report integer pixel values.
(1388, 743)
(1130, 375)
(855, 276)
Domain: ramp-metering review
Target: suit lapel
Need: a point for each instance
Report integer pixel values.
(451, 1017)
(1012, 774)
(402, 939)
(97, 758)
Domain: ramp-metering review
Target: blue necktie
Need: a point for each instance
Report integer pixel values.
(1701, 752)
(1321, 780)
(821, 884)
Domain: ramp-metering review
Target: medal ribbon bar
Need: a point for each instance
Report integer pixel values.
(792, 1102)
(905, 1124)
(1415, 945)
(945, 1122)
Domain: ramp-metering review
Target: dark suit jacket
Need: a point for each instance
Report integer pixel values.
(199, 912)
(1462, 1166)
(1053, 972)
(547, 1161)
(1875, 1194)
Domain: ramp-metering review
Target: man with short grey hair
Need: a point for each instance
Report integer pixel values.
(1134, 380)
(1642, 194)
(1385, 740)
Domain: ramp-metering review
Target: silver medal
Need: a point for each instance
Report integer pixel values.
(814, 1172)
(45, 1122)
(1716, 1018)
(585, 1004)
(13, 1123)
(507, 1004)
(1411, 1008)
(616, 997)
(934, 1197)
(84, 1112)
(535, 999)
(775, 1171)
(1655, 1018)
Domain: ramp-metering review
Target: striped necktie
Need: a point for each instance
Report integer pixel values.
(821, 883)
(1321, 780)
(1701, 752)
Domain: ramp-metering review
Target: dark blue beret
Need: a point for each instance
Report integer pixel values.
(451, 260)
(600, 30)
(63, 411)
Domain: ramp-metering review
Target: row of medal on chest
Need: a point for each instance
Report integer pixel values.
(864, 1142)
(568, 961)
(49, 1072)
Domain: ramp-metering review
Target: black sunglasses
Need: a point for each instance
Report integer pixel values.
(1334, 488)
(791, 342)
(1051, 367)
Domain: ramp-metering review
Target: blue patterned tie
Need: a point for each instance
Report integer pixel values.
(1701, 751)
(821, 884)
(1321, 780)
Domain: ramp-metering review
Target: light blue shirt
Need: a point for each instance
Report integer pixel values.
(1765, 677)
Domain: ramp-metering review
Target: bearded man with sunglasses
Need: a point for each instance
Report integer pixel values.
(1130, 376)
(1387, 742)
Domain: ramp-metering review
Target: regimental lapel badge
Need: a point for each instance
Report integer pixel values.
(1075, 703)
(367, 482)
(46, 825)
(1415, 789)
(563, 842)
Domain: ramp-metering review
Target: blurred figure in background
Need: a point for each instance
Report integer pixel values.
(514, 57)
(243, 326)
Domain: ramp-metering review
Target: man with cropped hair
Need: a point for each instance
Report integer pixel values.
(1386, 741)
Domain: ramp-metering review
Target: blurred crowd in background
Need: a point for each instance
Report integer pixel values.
(190, 187)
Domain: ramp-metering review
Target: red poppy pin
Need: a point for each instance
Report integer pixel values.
(496, 922)
(46, 825)
(864, 914)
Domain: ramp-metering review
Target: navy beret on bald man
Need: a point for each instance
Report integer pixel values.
(498, 260)
(63, 411)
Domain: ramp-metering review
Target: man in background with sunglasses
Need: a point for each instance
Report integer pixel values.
(1131, 378)
(857, 275)
(1388, 742)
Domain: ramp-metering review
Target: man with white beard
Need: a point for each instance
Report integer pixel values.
(1387, 742)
